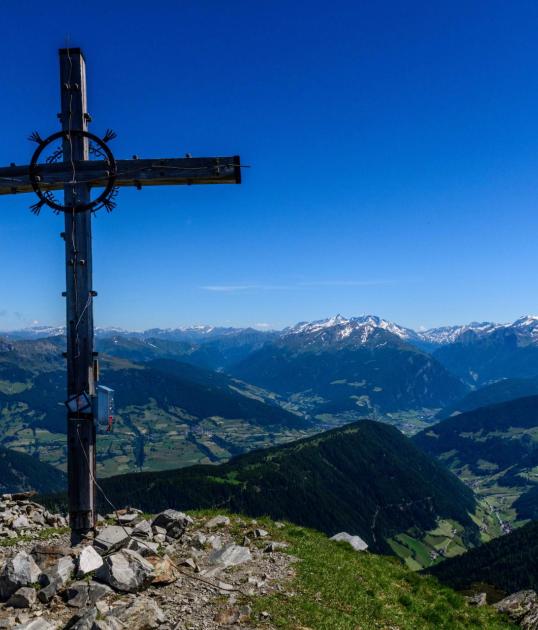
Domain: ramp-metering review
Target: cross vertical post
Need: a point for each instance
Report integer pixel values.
(69, 168)
(81, 433)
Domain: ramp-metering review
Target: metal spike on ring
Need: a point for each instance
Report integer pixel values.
(36, 207)
(35, 137)
(110, 134)
(109, 205)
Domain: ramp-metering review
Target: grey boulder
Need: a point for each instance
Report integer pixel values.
(355, 541)
(230, 556)
(24, 597)
(89, 560)
(143, 530)
(81, 594)
(518, 605)
(21, 570)
(175, 523)
(46, 593)
(84, 620)
(111, 539)
(142, 614)
(131, 518)
(217, 521)
(144, 547)
(126, 571)
(21, 522)
(64, 570)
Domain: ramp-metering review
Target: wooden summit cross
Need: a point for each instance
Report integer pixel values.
(85, 169)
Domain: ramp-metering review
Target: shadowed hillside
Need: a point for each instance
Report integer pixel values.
(509, 563)
(498, 392)
(497, 439)
(20, 472)
(493, 449)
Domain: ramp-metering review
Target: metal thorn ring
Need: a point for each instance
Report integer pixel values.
(39, 185)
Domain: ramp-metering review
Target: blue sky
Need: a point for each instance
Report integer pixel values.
(393, 150)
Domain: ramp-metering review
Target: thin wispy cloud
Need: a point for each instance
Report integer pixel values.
(346, 283)
(229, 288)
(237, 288)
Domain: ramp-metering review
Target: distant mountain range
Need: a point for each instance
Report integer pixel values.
(479, 358)
(341, 368)
(213, 392)
(350, 366)
(476, 353)
(214, 351)
(526, 327)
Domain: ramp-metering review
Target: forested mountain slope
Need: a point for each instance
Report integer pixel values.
(509, 563)
(366, 478)
(494, 449)
(20, 472)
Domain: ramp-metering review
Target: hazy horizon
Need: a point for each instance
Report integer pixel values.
(262, 326)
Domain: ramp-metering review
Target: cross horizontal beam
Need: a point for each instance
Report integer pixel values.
(138, 173)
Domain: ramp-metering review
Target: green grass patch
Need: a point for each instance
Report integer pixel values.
(336, 588)
(230, 479)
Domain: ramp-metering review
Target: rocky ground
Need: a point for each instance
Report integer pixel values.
(521, 608)
(171, 571)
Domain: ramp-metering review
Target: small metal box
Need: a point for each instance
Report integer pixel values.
(105, 407)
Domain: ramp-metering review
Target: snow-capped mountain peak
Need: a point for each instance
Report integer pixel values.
(333, 329)
(338, 328)
(526, 321)
(316, 325)
(449, 334)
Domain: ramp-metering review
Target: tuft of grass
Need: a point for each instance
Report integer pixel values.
(336, 588)
(43, 534)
